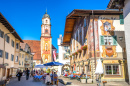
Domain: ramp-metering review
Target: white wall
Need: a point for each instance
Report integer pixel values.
(126, 13)
(60, 54)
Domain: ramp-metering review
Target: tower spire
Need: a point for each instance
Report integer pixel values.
(46, 10)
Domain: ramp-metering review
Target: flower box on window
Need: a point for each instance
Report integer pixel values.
(76, 53)
(79, 50)
(84, 47)
(70, 56)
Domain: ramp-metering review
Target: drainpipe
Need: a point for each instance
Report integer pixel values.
(94, 41)
(4, 45)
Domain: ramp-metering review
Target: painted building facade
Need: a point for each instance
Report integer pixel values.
(94, 34)
(46, 39)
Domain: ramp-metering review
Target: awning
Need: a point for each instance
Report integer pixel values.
(2, 66)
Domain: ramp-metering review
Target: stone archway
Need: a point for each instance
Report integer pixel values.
(66, 67)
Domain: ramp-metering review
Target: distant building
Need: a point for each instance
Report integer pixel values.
(25, 57)
(42, 48)
(63, 55)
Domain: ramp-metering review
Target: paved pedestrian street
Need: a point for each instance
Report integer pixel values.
(24, 82)
(30, 82)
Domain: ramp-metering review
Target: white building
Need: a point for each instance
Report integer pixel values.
(125, 5)
(64, 51)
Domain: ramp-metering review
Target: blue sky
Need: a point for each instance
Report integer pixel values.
(26, 15)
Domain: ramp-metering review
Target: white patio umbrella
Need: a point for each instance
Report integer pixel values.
(99, 70)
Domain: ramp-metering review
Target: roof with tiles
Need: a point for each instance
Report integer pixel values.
(35, 48)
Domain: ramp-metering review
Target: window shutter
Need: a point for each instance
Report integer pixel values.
(114, 40)
(121, 19)
(102, 40)
(1, 52)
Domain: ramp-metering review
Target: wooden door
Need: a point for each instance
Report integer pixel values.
(8, 72)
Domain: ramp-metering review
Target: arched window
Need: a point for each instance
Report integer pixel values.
(46, 21)
(46, 30)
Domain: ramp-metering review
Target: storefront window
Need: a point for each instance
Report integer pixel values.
(112, 69)
(108, 69)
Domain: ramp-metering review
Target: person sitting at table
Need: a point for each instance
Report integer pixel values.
(48, 79)
(82, 74)
(71, 76)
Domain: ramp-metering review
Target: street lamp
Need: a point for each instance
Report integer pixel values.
(4, 45)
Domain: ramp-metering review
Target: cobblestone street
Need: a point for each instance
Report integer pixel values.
(24, 82)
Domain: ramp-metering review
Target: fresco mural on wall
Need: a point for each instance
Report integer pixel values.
(107, 27)
(107, 30)
(46, 49)
(96, 34)
(66, 54)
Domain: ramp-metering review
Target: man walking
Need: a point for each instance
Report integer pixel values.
(19, 75)
(27, 74)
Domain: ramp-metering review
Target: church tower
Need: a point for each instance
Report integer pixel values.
(46, 39)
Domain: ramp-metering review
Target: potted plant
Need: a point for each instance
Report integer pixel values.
(79, 50)
(73, 54)
(83, 79)
(76, 53)
(84, 47)
(70, 56)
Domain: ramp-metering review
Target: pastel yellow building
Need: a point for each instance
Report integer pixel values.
(26, 57)
(9, 49)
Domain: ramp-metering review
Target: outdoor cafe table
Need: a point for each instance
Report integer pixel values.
(38, 76)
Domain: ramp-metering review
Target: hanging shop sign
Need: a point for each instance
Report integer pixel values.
(113, 61)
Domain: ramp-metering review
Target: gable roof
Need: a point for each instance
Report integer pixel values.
(9, 27)
(35, 48)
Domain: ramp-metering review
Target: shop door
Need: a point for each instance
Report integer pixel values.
(8, 72)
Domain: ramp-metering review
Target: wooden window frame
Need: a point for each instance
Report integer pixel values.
(12, 57)
(17, 45)
(112, 69)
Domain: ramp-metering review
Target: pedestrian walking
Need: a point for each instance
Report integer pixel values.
(19, 74)
(32, 73)
(27, 74)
